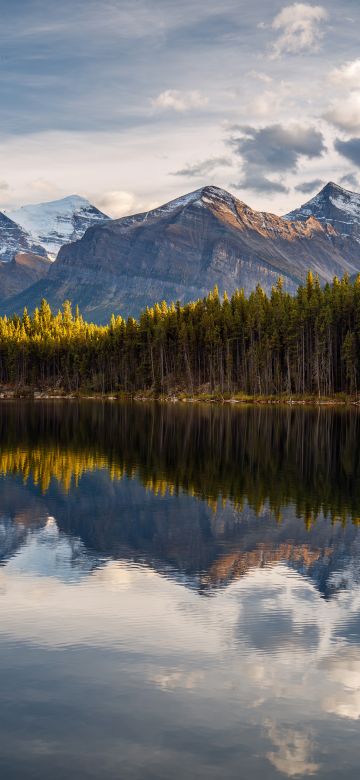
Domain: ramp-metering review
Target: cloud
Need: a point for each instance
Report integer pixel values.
(272, 149)
(4, 185)
(45, 188)
(306, 187)
(175, 100)
(349, 149)
(259, 76)
(270, 102)
(277, 148)
(204, 167)
(256, 181)
(299, 28)
(347, 75)
(117, 203)
(345, 112)
(350, 180)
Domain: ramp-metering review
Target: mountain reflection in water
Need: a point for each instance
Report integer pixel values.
(179, 591)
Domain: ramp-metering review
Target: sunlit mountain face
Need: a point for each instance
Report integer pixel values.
(180, 250)
(180, 590)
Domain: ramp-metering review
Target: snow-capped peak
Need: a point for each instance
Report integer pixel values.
(335, 206)
(57, 222)
(14, 239)
(203, 197)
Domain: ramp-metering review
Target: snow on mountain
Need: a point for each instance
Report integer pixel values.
(335, 206)
(204, 196)
(180, 250)
(57, 222)
(14, 239)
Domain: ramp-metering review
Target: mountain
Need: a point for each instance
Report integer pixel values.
(33, 234)
(14, 239)
(57, 222)
(179, 251)
(333, 206)
(21, 272)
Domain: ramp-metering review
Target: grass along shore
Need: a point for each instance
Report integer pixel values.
(216, 397)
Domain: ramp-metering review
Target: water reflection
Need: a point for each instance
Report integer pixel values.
(309, 458)
(179, 592)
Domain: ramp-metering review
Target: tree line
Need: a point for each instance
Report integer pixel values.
(306, 343)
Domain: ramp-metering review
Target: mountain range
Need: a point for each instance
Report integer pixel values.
(21, 272)
(53, 224)
(31, 236)
(14, 239)
(332, 206)
(179, 251)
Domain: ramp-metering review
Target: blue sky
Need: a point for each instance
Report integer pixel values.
(132, 103)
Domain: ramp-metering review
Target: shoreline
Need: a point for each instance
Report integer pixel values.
(27, 394)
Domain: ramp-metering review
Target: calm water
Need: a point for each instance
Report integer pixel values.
(179, 592)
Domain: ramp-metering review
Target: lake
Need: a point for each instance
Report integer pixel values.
(179, 591)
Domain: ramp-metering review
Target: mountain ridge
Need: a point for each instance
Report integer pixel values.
(24, 270)
(54, 223)
(335, 206)
(14, 239)
(180, 250)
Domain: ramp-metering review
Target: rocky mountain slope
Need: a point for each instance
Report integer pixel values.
(31, 236)
(57, 222)
(21, 272)
(14, 239)
(182, 249)
(333, 206)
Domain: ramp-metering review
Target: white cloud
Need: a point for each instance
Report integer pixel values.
(272, 101)
(121, 203)
(259, 76)
(299, 28)
(117, 203)
(4, 185)
(348, 75)
(345, 112)
(175, 100)
(45, 188)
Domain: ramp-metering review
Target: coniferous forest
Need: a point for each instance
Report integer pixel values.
(307, 343)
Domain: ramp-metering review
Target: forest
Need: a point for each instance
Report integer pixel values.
(277, 344)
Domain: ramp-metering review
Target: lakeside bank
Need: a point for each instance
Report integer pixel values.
(34, 394)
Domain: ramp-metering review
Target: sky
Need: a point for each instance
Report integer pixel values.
(134, 102)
